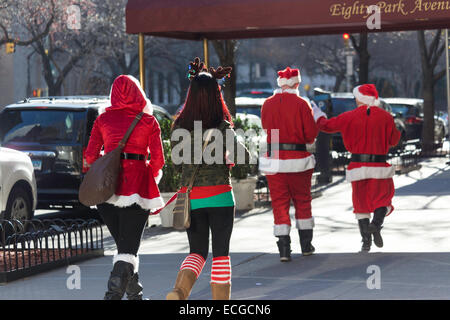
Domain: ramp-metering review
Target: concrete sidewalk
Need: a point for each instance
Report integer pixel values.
(414, 263)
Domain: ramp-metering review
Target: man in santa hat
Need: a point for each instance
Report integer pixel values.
(368, 132)
(289, 124)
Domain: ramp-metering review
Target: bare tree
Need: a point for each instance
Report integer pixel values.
(226, 50)
(430, 54)
(14, 13)
(361, 46)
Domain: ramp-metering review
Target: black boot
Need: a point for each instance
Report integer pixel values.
(134, 288)
(284, 246)
(365, 234)
(306, 237)
(376, 225)
(118, 281)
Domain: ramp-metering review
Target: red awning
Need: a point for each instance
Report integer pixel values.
(233, 19)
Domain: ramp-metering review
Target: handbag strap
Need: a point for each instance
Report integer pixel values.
(191, 181)
(124, 140)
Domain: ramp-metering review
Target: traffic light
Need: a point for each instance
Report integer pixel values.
(346, 37)
(10, 47)
(37, 92)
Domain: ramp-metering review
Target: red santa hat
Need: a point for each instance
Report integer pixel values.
(289, 77)
(367, 94)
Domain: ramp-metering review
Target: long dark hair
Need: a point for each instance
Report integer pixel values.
(204, 102)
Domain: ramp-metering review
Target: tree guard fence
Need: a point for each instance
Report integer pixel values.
(33, 246)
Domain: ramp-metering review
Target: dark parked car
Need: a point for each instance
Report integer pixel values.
(54, 132)
(411, 112)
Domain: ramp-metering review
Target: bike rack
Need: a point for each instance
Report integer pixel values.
(33, 246)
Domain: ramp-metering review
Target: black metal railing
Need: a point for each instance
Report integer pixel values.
(32, 246)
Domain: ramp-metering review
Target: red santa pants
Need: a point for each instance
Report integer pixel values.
(284, 187)
(371, 194)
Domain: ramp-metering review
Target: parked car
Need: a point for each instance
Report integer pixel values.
(18, 196)
(55, 133)
(411, 111)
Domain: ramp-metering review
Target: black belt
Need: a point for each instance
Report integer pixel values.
(285, 147)
(369, 158)
(132, 156)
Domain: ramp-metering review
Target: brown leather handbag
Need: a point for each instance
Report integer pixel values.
(182, 209)
(100, 182)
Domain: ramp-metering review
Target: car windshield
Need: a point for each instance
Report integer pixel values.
(402, 109)
(249, 110)
(341, 105)
(44, 126)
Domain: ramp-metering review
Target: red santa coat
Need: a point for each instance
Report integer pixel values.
(366, 132)
(138, 179)
(289, 172)
(289, 116)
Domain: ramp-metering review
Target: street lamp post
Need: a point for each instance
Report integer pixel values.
(141, 61)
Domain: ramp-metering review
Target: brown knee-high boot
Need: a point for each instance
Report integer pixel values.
(183, 285)
(221, 291)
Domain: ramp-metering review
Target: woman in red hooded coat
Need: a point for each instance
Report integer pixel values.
(137, 193)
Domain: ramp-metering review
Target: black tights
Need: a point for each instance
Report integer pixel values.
(125, 224)
(220, 220)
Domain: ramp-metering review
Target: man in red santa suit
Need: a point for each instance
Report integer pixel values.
(368, 132)
(289, 124)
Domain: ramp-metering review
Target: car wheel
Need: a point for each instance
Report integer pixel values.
(19, 205)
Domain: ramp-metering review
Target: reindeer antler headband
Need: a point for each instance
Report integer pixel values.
(197, 66)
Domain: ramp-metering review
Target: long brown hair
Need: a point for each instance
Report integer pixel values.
(204, 102)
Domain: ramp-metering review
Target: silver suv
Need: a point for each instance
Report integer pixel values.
(18, 195)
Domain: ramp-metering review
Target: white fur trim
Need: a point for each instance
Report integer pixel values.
(281, 230)
(364, 173)
(317, 113)
(159, 176)
(360, 216)
(127, 258)
(126, 201)
(293, 91)
(367, 100)
(288, 82)
(305, 224)
(270, 165)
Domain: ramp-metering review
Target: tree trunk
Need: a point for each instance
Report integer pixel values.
(337, 83)
(225, 50)
(428, 110)
(362, 48)
(429, 58)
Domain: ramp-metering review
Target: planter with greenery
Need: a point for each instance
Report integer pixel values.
(244, 176)
(170, 180)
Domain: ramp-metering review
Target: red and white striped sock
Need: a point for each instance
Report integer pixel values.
(221, 270)
(194, 262)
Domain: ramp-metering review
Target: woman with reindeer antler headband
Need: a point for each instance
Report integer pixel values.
(211, 198)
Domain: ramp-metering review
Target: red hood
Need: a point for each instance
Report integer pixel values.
(126, 93)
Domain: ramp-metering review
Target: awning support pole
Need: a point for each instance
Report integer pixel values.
(205, 52)
(141, 61)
